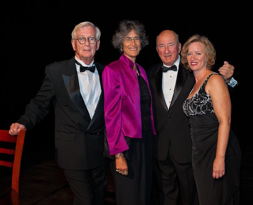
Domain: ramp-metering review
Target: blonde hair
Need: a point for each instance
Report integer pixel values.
(209, 50)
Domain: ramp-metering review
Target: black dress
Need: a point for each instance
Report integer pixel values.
(135, 188)
(204, 132)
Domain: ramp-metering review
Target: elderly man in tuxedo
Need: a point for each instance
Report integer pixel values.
(74, 88)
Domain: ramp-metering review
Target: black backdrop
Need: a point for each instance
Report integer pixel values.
(36, 33)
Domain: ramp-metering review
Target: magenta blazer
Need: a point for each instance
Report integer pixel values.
(122, 103)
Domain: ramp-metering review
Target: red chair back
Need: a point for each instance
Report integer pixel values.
(11, 149)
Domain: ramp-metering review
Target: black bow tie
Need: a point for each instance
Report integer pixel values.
(84, 68)
(165, 69)
(91, 69)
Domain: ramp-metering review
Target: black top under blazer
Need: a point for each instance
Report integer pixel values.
(79, 140)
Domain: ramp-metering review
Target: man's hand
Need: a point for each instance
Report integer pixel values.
(15, 128)
(227, 70)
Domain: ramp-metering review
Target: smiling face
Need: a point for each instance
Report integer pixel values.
(168, 47)
(86, 51)
(131, 45)
(196, 56)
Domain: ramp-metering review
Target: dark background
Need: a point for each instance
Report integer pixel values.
(36, 33)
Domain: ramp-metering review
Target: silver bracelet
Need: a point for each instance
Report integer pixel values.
(117, 156)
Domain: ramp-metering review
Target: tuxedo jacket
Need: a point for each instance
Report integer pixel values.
(172, 125)
(79, 140)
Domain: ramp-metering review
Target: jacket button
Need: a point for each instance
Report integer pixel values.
(169, 116)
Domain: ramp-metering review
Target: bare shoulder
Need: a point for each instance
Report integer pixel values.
(216, 78)
(216, 82)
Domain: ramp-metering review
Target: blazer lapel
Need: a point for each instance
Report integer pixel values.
(72, 86)
(158, 82)
(181, 77)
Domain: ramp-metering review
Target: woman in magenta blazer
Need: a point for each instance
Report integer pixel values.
(129, 117)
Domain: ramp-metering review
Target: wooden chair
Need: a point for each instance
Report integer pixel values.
(11, 148)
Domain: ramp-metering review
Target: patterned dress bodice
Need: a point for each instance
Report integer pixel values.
(200, 103)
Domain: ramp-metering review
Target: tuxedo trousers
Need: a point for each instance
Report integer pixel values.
(88, 186)
(175, 182)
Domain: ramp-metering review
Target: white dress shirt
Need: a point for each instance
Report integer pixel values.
(90, 87)
(168, 83)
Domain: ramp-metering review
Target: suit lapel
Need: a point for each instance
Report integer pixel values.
(72, 86)
(182, 75)
(158, 82)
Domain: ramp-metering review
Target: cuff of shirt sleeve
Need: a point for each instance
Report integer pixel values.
(232, 83)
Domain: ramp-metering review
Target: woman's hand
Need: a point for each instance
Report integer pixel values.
(121, 164)
(218, 168)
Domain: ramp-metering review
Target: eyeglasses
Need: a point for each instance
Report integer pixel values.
(82, 40)
(129, 39)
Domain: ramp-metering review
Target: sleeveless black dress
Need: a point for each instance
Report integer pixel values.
(204, 133)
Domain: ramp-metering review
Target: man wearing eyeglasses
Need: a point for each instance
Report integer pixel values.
(74, 88)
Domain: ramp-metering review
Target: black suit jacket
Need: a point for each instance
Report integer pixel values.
(79, 140)
(172, 125)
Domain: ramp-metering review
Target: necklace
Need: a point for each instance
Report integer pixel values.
(136, 69)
